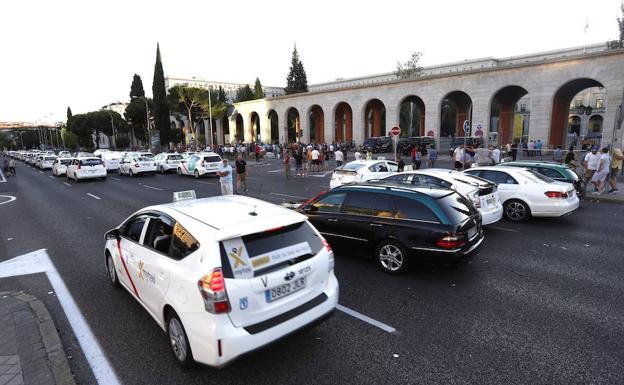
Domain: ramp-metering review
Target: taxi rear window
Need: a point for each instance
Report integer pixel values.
(90, 162)
(270, 250)
(212, 159)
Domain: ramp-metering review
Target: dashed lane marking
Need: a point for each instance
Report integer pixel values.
(2, 178)
(367, 319)
(51, 176)
(10, 198)
(272, 171)
(94, 196)
(501, 229)
(153, 188)
(288, 196)
(113, 178)
(210, 183)
(40, 172)
(66, 184)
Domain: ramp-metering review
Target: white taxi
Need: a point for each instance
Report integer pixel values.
(362, 170)
(60, 166)
(224, 275)
(133, 166)
(166, 162)
(46, 162)
(200, 164)
(85, 168)
(482, 193)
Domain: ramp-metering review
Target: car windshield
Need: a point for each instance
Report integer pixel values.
(537, 177)
(147, 155)
(50, 158)
(143, 159)
(91, 162)
(174, 157)
(353, 166)
(457, 208)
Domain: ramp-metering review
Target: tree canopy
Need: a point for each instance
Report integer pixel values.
(258, 91)
(244, 94)
(411, 68)
(69, 113)
(161, 106)
(136, 88)
(94, 122)
(297, 80)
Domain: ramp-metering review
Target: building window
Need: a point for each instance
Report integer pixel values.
(523, 107)
(599, 103)
(578, 103)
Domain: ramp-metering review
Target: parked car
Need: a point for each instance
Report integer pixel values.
(526, 193)
(167, 161)
(111, 160)
(397, 222)
(482, 193)
(133, 166)
(200, 164)
(554, 170)
(362, 170)
(60, 166)
(378, 144)
(85, 168)
(222, 276)
(46, 162)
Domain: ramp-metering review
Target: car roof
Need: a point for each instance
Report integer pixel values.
(510, 169)
(86, 157)
(535, 163)
(446, 174)
(232, 215)
(434, 192)
(206, 153)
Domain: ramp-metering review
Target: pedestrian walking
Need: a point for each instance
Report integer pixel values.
(339, 157)
(599, 178)
(590, 163)
(432, 156)
(225, 174)
(538, 147)
(358, 155)
(12, 167)
(369, 155)
(315, 156)
(417, 159)
(616, 167)
(458, 157)
(496, 155)
(401, 164)
(298, 155)
(241, 175)
(286, 153)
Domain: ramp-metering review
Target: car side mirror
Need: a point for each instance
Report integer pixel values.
(309, 208)
(112, 234)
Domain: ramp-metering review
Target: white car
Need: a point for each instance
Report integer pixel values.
(136, 165)
(223, 276)
(64, 154)
(111, 160)
(60, 166)
(362, 170)
(482, 193)
(46, 162)
(167, 162)
(37, 160)
(525, 193)
(200, 164)
(85, 168)
(141, 154)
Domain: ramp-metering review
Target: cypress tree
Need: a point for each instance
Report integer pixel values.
(161, 108)
(69, 113)
(258, 92)
(221, 96)
(136, 89)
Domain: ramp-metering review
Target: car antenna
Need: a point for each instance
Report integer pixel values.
(253, 213)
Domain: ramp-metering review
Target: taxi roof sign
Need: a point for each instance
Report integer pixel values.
(183, 195)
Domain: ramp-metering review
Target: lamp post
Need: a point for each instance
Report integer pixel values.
(210, 114)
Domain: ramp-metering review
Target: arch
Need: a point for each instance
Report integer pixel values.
(343, 123)
(374, 118)
(274, 123)
(504, 116)
(254, 127)
(455, 108)
(561, 108)
(293, 124)
(412, 116)
(239, 136)
(316, 118)
(574, 125)
(595, 126)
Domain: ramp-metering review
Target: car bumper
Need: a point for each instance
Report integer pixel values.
(435, 255)
(169, 167)
(492, 215)
(205, 336)
(557, 209)
(84, 175)
(144, 170)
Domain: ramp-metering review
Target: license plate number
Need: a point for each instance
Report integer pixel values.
(281, 291)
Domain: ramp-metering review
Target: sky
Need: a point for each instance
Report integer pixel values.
(83, 54)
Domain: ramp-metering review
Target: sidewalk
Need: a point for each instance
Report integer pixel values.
(30, 349)
(611, 198)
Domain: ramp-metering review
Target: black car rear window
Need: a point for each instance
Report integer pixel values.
(457, 208)
(212, 159)
(90, 162)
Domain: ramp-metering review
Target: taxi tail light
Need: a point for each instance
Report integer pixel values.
(331, 255)
(212, 289)
(451, 241)
(556, 194)
(136, 165)
(78, 166)
(476, 200)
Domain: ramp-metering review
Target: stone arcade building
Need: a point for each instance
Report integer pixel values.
(443, 97)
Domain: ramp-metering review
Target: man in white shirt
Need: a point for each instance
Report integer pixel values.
(458, 157)
(590, 162)
(602, 171)
(225, 174)
(358, 156)
(339, 158)
(315, 159)
(496, 155)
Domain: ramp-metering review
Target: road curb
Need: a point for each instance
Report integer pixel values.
(50, 338)
(607, 199)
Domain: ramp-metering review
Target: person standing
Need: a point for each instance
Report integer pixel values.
(538, 147)
(531, 148)
(458, 157)
(590, 163)
(339, 158)
(298, 155)
(515, 149)
(599, 178)
(417, 159)
(225, 174)
(369, 155)
(496, 155)
(286, 154)
(432, 156)
(616, 166)
(12, 167)
(558, 155)
(358, 155)
(257, 150)
(241, 174)
(315, 155)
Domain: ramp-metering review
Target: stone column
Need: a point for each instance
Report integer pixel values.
(219, 128)
(480, 115)
(540, 119)
(329, 125)
(613, 102)
(358, 125)
(304, 124)
(432, 121)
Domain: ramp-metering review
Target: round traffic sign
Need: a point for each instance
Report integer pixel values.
(479, 133)
(430, 133)
(395, 131)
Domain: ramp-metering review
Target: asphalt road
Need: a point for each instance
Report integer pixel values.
(541, 303)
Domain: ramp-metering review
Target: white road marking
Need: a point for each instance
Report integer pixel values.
(94, 196)
(39, 262)
(501, 229)
(276, 171)
(366, 319)
(51, 176)
(323, 175)
(2, 178)
(287, 196)
(153, 188)
(66, 184)
(210, 183)
(11, 199)
(112, 177)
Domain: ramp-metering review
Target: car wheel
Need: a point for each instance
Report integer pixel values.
(75, 178)
(196, 174)
(516, 210)
(153, 173)
(179, 172)
(112, 273)
(391, 256)
(178, 340)
(130, 173)
(162, 170)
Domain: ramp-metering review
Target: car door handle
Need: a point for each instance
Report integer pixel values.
(375, 225)
(332, 220)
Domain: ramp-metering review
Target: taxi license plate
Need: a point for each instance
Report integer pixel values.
(472, 232)
(281, 291)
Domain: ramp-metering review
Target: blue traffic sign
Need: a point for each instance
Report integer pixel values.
(466, 126)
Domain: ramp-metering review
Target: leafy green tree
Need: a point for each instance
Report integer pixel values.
(70, 140)
(411, 68)
(221, 96)
(244, 94)
(297, 80)
(136, 88)
(258, 91)
(161, 105)
(189, 101)
(84, 126)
